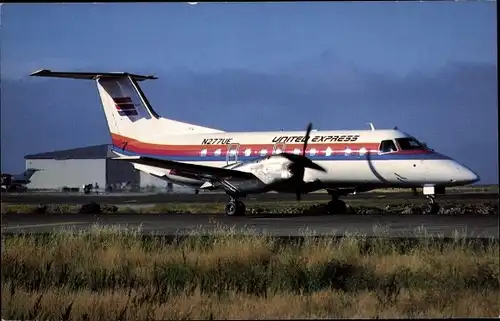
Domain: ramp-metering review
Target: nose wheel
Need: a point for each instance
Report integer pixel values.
(235, 207)
(432, 207)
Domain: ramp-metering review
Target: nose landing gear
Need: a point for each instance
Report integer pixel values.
(430, 193)
(432, 207)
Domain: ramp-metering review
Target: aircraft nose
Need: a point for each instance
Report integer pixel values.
(464, 175)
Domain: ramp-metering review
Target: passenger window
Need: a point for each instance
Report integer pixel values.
(387, 146)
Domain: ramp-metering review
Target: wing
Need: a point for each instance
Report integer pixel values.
(201, 171)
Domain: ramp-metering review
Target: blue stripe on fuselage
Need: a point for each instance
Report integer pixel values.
(243, 158)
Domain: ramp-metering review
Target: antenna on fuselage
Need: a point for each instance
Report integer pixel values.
(371, 126)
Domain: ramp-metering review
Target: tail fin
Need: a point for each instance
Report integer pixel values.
(26, 175)
(128, 112)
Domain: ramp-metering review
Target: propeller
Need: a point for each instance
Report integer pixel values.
(306, 140)
(300, 162)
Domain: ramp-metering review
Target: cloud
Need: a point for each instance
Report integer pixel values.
(462, 88)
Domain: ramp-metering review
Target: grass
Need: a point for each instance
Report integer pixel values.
(106, 274)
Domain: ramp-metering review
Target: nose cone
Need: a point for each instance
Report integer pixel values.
(464, 175)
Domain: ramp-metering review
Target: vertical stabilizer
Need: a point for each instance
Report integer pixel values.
(124, 107)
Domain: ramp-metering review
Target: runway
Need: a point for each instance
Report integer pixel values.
(388, 225)
(142, 198)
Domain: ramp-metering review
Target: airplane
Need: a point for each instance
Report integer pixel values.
(15, 180)
(342, 162)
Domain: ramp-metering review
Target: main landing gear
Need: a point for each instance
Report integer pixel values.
(235, 207)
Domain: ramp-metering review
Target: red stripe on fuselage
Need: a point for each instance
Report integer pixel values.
(136, 146)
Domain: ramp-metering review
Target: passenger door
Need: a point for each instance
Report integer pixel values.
(232, 153)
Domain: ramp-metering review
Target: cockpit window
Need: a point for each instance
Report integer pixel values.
(409, 144)
(387, 146)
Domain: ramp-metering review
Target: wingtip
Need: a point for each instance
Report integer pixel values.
(36, 73)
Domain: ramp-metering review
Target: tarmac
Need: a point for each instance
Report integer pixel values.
(142, 198)
(388, 225)
(391, 225)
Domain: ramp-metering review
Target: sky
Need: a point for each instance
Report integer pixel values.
(429, 68)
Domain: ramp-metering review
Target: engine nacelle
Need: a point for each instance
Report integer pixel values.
(271, 169)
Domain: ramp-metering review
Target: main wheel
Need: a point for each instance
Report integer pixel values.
(237, 208)
(232, 209)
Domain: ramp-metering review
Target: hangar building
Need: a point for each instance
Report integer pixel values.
(73, 168)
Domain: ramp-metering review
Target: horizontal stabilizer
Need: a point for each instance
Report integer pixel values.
(88, 75)
(202, 171)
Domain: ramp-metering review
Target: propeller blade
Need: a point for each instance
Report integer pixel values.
(306, 140)
(302, 161)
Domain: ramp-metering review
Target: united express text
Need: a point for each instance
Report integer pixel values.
(289, 139)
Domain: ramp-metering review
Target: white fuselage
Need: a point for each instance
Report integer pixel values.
(352, 159)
